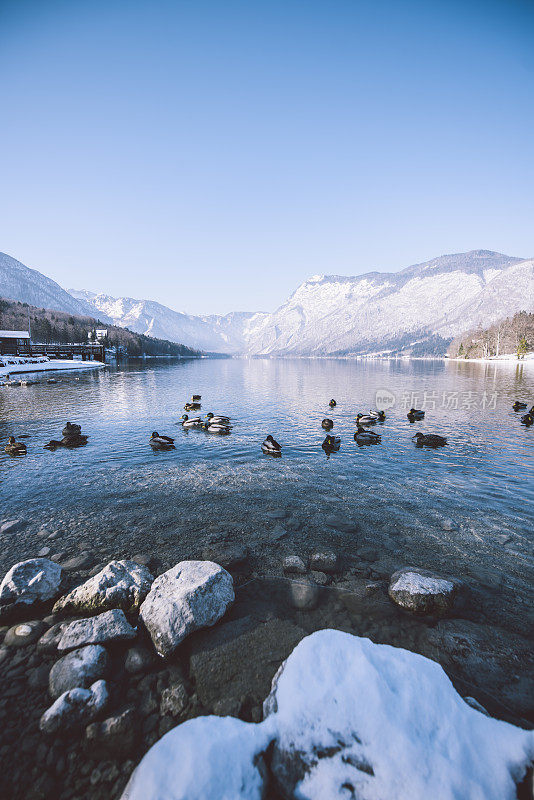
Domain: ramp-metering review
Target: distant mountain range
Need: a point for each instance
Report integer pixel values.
(423, 307)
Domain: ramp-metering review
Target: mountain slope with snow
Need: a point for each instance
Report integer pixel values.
(18, 282)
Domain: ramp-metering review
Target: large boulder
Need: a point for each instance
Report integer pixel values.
(121, 584)
(75, 708)
(30, 583)
(111, 626)
(191, 595)
(421, 591)
(81, 667)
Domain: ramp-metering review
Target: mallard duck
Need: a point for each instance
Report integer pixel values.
(414, 414)
(331, 443)
(366, 419)
(196, 398)
(53, 444)
(327, 424)
(196, 422)
(222, 430)
(271, 447)
(14, 448)
(213, 419)
(332, 403)
(74, 440)
(517, 406)
(528, 419)
(192, 407)
(160, 442)
(70, 428)
(379, 415)
(366, 437)
(429, 440)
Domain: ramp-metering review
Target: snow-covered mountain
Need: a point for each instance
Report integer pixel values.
(212, 333)
(18, 282)
(333, 314)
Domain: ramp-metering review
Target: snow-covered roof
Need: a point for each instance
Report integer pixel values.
(14, 335)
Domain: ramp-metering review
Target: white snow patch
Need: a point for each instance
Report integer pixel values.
(415, 583)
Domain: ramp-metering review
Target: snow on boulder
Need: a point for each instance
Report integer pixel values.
(421, 591)
(358, 719)
(346, 718)
(121, 584)
(191, 595)
(111, 626)
(203, 759)
(30, 583)
(75, 708)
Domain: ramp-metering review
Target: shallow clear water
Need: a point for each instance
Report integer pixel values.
(483, 479)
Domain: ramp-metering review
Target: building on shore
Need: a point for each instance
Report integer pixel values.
(15, 343)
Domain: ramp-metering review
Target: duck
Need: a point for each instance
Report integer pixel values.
(271, 447)
(196, 398)
(379, 415)
(429, 440)
(213, 419)
(196, 422)
(414, 414)
(366, 419)
(71, 427)
(366, 437)
(331, 443)
(74, 440)
(14, 448)
(518, 406)
(159, 442)
(192, 407)
(327, 424)
(332, 403)
(222, 430)
(528, 419)
(53, 444)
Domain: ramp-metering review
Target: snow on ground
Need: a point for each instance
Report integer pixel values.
(348, 718)
(14, 365)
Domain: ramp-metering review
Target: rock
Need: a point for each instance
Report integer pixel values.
(341, 524)
(324, 562)
(239, 658)
(377, 712)
(121, 584)
(50, 639)
(421, 591)
(81, 667)
(11, 525)
(227, 707)
(304, 594)
(228, 556)
(320, 578)
(145, 559)
(114, 737)
(138, 659)
(23, 634)
(4, 652)
(75, 708)
(277, 533)
(368, 553)
(471, 701)
(276, 513)
(191, 595)
(294, 564)
(111, 626)
(38, 677)
(44, 551)
(76, 563)
(174, 700)
(30, 583)
(449, 525)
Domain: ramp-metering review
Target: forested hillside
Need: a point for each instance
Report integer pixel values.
(512, 335)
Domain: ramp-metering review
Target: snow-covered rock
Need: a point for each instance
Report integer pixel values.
(111, 626)
(81, 667)
(294, 564)
(347, 719)
(29, 583)
(121, 584)
(421, 591)
(75, 708)
(191, 595)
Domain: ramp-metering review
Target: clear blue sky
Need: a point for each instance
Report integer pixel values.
(212, 155)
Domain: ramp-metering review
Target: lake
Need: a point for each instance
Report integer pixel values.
(467, 508)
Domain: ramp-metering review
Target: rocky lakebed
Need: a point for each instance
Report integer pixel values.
(297, 672)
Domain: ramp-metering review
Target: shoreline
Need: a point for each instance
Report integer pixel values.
(49, 366)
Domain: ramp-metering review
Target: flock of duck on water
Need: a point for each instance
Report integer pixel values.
(221, 425)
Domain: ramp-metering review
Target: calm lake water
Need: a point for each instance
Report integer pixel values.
(483, 480)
